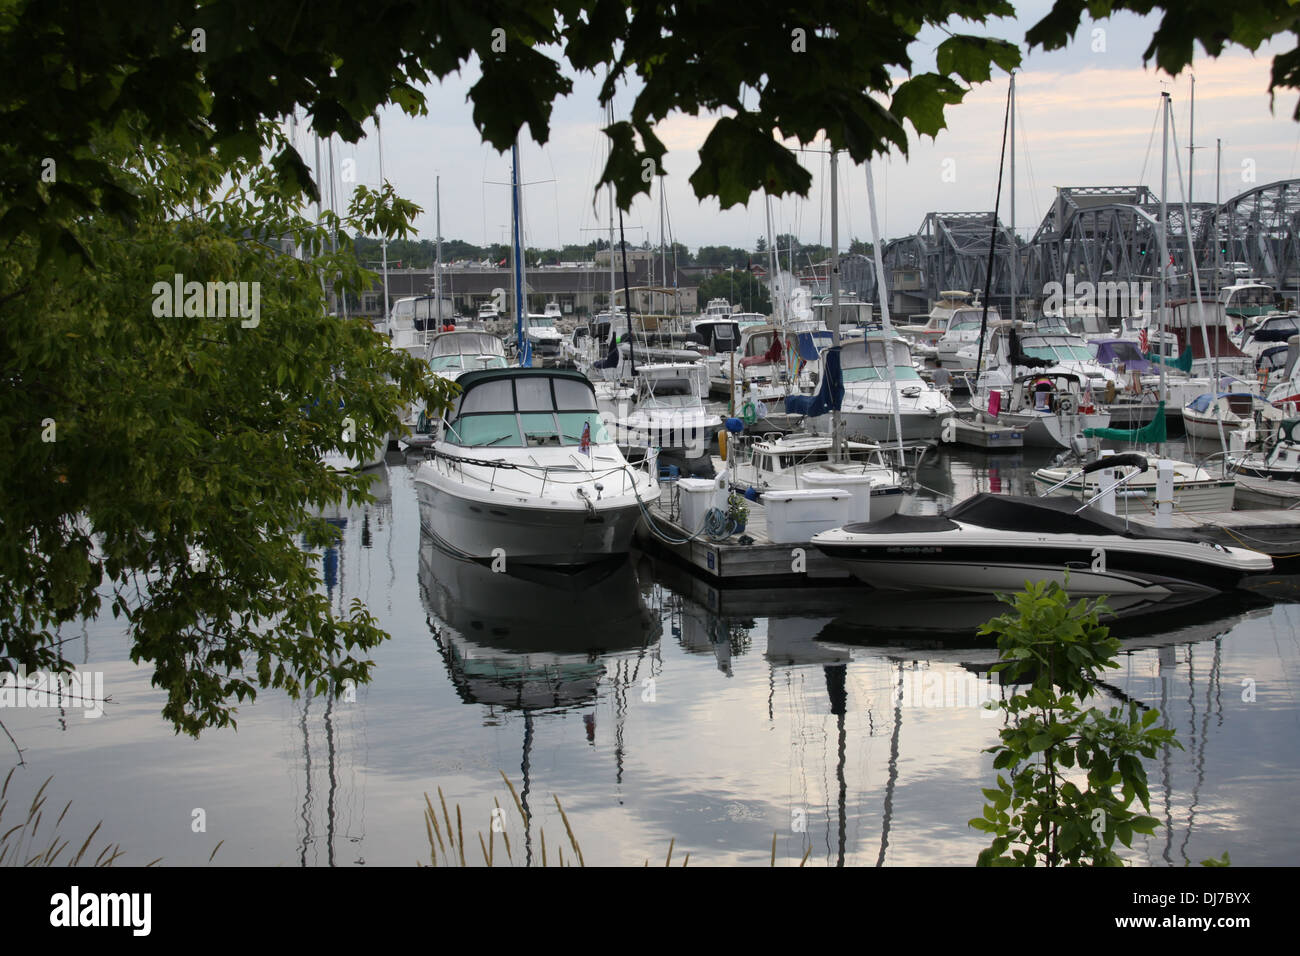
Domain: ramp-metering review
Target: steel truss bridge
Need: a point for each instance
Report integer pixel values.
(1103, 234)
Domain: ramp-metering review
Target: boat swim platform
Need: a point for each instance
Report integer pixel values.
(729, 563)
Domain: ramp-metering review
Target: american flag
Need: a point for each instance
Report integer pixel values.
(584, 445)
(1142, 342)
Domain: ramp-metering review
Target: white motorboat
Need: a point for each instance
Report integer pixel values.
(868, 404)
(451, 354)
(926, 334)
(1269, 332)
(1279, 459)
(963, 330)
(785, 464)
(662, 408)
(992, 543)
(524, 469)
(1195, 488)
(1240, 412)
(544, 337)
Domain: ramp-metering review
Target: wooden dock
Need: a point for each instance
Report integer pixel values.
(1272, 531)
(746, 560)
(1277, 493)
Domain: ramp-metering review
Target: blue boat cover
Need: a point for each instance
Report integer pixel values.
(807, 347)
(829, 396)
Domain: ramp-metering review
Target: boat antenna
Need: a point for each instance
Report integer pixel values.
(993, 235)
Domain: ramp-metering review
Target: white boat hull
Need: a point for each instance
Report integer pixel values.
(527, 530)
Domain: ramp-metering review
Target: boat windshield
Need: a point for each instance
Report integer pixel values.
(531, 411)
(459, 363)
(866, 362)
(541, 321)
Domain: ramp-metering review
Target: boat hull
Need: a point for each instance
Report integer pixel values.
(1002, 562)
(535, 531)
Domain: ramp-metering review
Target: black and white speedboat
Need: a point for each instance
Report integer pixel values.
(998, 542)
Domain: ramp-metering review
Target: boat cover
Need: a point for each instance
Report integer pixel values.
(1024, 514)
(1152, 432)
(829, 396)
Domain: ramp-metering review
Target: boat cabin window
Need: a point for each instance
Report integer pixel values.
(666, 387)
(542, 410)
(872, 353)
(759, 344)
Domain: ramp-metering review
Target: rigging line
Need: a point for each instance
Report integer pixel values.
(1029, 163)
(1150, 140)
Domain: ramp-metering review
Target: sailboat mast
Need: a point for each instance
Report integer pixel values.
(663, 258)
(837, 446)
(1015, 244)
(437, 228)
(383, 240)
(517, 256)
(884, 317)
(1164, 253)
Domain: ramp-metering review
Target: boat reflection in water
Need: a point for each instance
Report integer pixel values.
(539, 641)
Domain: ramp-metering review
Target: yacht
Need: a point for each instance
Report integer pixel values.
(524, 470)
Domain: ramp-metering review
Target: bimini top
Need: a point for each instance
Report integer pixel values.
(1024, 514)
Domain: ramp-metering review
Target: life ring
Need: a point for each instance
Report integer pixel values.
(749, 413)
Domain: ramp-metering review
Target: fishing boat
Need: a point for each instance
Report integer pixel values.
(994, 543)
(1279, 459)
(523, 468)
(1195, 488)
(1236, 411)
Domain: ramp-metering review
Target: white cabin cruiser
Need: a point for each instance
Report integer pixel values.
(544, 337)
(662, 408)
(523, 469)
(963, 330)
(992, 543)
(868, 404)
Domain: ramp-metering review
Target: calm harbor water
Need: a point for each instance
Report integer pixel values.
(657, 708)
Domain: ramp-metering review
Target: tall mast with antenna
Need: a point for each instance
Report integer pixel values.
(383, 239)
(836, 418)
(1164, 253)
(1015, 244)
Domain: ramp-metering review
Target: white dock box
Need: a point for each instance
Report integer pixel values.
(793, 517)
(698, 495)
(858, 487)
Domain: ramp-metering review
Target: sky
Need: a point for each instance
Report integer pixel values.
(1086, 115)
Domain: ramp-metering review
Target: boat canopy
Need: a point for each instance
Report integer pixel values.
(830, 394)
(1153, 432)
(1122, 352)
(1049, 515)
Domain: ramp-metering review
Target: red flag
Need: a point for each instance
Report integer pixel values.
(585, 445)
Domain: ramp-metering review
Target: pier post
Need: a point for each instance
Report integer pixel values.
(1164, 493)
(1108, 477)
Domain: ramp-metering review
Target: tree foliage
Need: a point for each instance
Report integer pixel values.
(1072, 772)
(167, 467)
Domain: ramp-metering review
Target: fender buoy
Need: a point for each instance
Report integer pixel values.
(749, 413)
